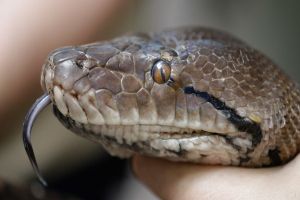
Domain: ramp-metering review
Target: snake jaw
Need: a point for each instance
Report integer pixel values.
(31, 116)
(170, 142)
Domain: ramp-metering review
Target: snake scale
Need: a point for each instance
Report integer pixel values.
(187, 94)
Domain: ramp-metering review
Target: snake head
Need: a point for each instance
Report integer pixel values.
(194, 95)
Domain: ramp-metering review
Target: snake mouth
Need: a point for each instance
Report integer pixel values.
(143, 133)
(132, 133)
(178, 144)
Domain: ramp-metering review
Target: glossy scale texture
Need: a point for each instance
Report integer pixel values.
(224, 103)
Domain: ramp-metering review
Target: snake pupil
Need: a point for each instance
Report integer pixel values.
(161, 72)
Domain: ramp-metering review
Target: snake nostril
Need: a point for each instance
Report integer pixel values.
(80, 60)
(85, 62)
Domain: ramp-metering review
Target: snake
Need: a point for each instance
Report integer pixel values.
(190, 94)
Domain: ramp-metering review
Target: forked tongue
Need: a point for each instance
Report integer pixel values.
(32, 114)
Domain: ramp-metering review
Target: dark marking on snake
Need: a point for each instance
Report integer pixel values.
(229, 140)
(241, 123)
(244, 159)
(275, 157)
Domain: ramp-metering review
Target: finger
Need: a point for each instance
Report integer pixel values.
(171, 180)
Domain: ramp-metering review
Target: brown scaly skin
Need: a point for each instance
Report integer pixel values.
(235, 106)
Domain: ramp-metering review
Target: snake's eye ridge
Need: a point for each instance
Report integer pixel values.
(161, 71)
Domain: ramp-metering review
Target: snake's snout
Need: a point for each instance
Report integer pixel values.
(32, 114)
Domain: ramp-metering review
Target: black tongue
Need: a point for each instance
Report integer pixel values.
(32, 114)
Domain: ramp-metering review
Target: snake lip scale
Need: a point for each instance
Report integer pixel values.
(189, 94)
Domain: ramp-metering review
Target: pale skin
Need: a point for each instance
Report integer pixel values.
(183, 181)
(31, 29)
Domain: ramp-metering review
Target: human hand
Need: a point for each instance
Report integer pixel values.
(180, 181)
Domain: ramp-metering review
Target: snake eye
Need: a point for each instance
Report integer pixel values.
(161, 72)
